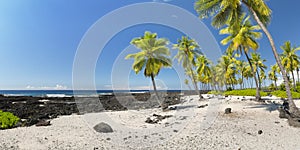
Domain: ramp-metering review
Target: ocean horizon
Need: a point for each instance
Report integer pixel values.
(70, 93)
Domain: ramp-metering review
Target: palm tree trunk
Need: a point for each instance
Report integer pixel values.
(275, 84)
(259, 80)
(195, 83)
(156, 93)
(297, 75)
(254, 76)
(294, 80)
(293, 108)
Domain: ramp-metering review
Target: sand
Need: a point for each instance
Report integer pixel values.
(188, 128)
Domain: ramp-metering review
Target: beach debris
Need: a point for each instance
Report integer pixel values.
(202, 106)
(103, 128)
(43, 123)
(260, 132)
(156, 118)
(172, 108)
(227, 110)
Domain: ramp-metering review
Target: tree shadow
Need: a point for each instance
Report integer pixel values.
(185, 107)
(268, 106)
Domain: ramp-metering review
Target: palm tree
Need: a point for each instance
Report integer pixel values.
(225, 11)
(188, 50)
(153, 56)
(242, 39)
(226, 69)
(258, 65)
(273, 75)
(203, 69)
(241, 67)
(290, 59)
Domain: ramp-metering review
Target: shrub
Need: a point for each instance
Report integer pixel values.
(282, 87)
(7, 120)
(245, 92)
(229, 89)
(272, 87)
(282, 94)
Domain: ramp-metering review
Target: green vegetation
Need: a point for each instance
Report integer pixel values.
(215, 92)
(282, 94)
(245, 92)
(7, 120)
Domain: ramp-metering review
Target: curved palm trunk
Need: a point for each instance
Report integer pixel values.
(156, 93)
(293, 109)
(254, 76)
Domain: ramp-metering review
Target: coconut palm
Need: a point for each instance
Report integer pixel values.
(226, 69)
(203, 69)
(273, 74)
(258, 66)
(152, 57)
(241, 39)
(228, 12)
(290, 59)
(188, 50)
(241, 68)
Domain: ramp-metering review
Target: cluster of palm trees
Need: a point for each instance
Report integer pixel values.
(230, 13)
(154, 55)
(233, 16)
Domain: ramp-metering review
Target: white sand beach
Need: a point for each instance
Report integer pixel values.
(188, 128)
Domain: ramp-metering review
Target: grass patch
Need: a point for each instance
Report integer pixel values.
(215, 92)
(245, 92)
(282, 94)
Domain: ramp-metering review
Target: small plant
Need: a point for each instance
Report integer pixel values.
(7, 120)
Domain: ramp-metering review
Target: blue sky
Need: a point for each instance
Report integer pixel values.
(39, 39)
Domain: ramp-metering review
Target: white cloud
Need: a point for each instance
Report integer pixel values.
(56, 87)
(162, 1)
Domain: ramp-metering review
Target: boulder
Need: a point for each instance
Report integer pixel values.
(282, 113)
(294, 122)
(227, 110)
(43, 123)
(103, 128)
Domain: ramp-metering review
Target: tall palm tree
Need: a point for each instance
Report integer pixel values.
(225, 11)
(241, 39)
(258, 66)
(273, 74)
(153, 56)
(188, 50)
(290, 59)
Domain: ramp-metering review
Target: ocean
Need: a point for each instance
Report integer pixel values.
(67, 93)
